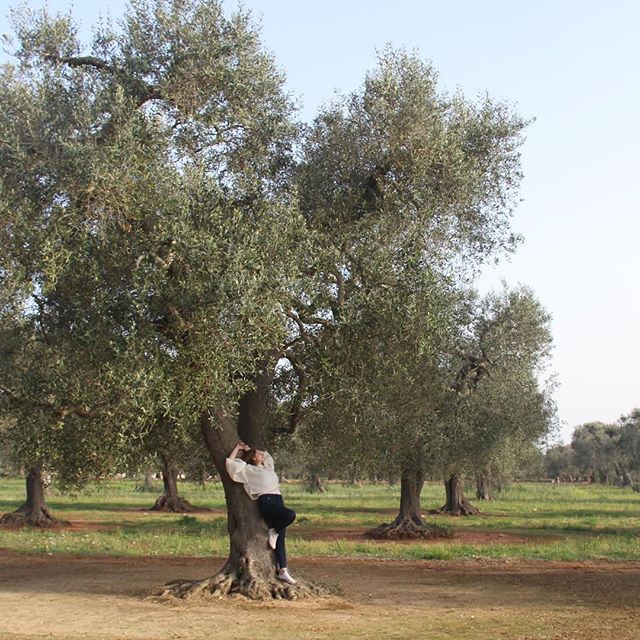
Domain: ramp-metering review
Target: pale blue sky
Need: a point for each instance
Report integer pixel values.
(574, 66)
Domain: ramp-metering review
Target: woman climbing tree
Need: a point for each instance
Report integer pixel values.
(261, 483)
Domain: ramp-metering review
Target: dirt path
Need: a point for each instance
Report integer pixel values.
(69, 598)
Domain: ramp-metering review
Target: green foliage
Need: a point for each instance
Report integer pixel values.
(559, 463)
(150, 239)
(408, 190)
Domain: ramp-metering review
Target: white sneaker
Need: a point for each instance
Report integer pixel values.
(283, 575)
(273, 538)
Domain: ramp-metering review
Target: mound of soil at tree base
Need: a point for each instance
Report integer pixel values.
(62, 596)
(459, 537)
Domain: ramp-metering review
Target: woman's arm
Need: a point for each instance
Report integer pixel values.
(268, 460)
(236, 468)
(240, 446)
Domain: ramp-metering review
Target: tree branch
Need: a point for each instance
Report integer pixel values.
(143, 90)
(296, 404)
(471, 373)
(303, 330)
(40, 302)
(325, 322)
(81, 61)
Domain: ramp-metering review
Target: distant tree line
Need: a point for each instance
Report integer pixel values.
(603, 453)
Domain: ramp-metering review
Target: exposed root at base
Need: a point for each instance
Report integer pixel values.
(463, 509)
(408, 529)
(24, 517)
(224, 585)
(175, 505)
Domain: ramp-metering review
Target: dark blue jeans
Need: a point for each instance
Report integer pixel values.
(278, 517)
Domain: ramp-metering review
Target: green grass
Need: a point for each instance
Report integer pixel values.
(557, 522)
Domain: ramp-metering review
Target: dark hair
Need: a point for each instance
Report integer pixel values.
(250, 456)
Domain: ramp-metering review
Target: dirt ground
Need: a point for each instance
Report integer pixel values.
(71, 598)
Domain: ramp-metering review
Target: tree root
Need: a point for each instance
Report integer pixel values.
(224, 585)
(408, 529)
(465, 508)
(175, 505)
(28, 517)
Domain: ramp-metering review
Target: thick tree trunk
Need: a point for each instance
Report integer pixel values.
(457, 504)
(411, 483)
(170, 500)
(146, 486)
(482, 487)
(34, 512)
(624, 477)
(314, 484)
(352, 480)
(409, 523)
(148, 480)
(250, 569)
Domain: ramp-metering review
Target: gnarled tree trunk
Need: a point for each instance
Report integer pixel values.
(170, 500)
(250, 569)
(627, 480)
(409, 523)
(314, 484)
(457, 504)
(624, 477)
(34, 512)
(146, 486)
(352, 479)
(482, 487)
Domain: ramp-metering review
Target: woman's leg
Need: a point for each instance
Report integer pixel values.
(281, 552)
(277, 517)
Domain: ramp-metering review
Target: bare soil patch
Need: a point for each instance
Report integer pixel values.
(103, 598)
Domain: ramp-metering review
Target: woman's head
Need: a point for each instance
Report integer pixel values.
(253, 456)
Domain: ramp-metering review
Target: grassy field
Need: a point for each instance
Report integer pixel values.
(527, 521)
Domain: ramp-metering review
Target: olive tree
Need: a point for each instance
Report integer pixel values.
(497, 395)
(151, 234)
(406, 190)
(595, 450)
(559, 464)
(629, 443)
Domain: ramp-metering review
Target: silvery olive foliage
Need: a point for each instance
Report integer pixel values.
(150, 232)
(168, 228)
(411, 190)
(606, 453)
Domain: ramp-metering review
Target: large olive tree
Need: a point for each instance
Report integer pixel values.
(150, 233)
(498, 391)
(408, 190)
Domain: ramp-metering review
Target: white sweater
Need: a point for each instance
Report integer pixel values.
(257, 479)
